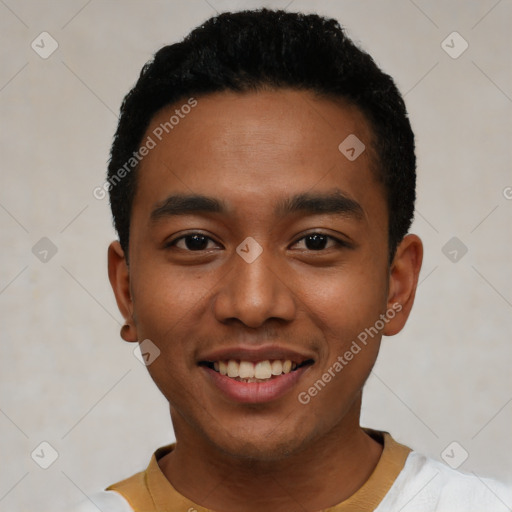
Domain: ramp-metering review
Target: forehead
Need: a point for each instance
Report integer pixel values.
(255, 148)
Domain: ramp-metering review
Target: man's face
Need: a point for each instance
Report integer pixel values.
(276, 182)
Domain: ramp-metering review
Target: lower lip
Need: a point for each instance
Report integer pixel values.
(255, 392)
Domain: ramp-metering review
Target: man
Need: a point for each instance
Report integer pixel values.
(262, 183)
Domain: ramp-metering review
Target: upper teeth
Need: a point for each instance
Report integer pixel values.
(250, 370)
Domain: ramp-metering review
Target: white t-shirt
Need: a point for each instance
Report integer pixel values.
(426, 485)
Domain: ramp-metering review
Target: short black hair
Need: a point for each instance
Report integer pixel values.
(259, 49)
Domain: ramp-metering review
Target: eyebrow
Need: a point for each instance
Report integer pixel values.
(312, 203)
(186, 204)
(322, 203)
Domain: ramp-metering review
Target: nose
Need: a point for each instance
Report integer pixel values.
(253, 293)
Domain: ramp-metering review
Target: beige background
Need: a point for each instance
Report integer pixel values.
(66, 376)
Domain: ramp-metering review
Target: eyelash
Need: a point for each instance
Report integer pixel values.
(339, 243)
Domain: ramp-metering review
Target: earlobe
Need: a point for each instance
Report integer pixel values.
(128, 332)
(403, 281)
(119, 276)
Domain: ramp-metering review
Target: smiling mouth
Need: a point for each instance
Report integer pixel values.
(255, 372)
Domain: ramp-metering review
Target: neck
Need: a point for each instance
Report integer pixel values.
(321, 475)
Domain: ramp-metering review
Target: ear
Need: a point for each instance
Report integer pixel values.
(119, 276)
(403, 281)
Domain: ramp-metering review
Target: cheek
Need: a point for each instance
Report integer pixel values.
(344, 303)
(167, 298)
(346, 311)
(169, 309)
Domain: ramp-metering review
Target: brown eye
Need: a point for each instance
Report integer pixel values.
(194, 242)
(318, 242)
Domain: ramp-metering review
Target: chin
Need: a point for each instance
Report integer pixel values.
(267, 446)
(262, 451)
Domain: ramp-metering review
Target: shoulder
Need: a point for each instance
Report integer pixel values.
(427, 485)
(127, 495)
(106, 501)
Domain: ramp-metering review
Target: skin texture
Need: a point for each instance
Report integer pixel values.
(252, 151)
